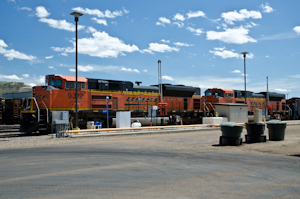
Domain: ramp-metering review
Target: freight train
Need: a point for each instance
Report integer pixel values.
(93, 94)
(179, 103)
(272, 102)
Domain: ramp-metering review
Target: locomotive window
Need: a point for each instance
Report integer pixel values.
(55, 83)
(207, 93)
(67, 85)
(228, 95)
(218, 93)
(71, 85)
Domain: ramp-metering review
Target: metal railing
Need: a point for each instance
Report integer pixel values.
(46, 111)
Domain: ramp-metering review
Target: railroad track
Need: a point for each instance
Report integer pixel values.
(12, 131)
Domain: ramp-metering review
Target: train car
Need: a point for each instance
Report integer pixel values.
(59, 94)
(10, 110)
(293, 105)
(275, 105)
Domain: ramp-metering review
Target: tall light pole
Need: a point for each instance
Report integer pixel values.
(160, 81)
(76, 15)
(245, 53)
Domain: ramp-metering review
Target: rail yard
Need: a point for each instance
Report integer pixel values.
(98, 98)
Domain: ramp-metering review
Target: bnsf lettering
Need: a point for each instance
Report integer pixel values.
(41, 96)
(139, 99)
(257, 103)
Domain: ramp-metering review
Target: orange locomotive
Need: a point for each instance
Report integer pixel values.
(59, 94)
(275, 105)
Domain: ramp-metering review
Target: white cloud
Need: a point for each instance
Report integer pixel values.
(61, 24)
(267, 8)
(51, 67)
(100, 21)
(130, 70)
(179, 24)
(178, 17)
(40, 79)
(225, 54)
(25, 75)
(25, 8)
(49, 57)
(10, 77)
(195, 14)
(235, 36)
(101, 44)
(167, 78)
(296, 76)
(100, 14)
(197, 31)
(13, 54)
(165, 41)
(182, 44)
(3, 44)
(297, 29)
(145, 70)
(281, 90)
(41, 12)
(163, 21)
(236, 71)
(90, 30)
(156, 47)
(229, 17)
(87, 68)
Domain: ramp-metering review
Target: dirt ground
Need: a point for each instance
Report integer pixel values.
(198, 140)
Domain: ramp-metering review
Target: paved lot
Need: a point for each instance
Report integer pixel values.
(181, 165)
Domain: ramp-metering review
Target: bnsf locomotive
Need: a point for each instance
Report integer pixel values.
(274, 103)
(59, 94)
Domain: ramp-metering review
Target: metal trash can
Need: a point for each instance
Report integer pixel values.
(255, 132)
(231, 134)
(276, 130)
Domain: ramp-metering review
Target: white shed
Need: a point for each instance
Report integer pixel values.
(234, 112)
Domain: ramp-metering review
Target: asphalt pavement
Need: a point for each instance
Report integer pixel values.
(124, 169)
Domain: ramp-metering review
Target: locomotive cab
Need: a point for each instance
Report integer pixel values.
(216, 95)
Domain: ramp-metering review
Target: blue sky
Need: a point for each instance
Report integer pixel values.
(198, 42)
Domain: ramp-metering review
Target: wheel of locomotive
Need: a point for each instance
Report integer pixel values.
(28, 123)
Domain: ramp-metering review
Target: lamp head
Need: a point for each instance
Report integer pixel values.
(244, 53)
(76, 14)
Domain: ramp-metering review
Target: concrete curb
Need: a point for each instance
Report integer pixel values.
(153, 131)
(143, 132)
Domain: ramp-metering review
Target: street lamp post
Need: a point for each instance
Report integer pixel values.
(245, 53)
(76, 15)
(160, 81)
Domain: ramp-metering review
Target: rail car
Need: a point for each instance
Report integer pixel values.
(293, 105)
(59, 94)
(275, 105)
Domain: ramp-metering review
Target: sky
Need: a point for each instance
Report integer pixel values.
(198, 42)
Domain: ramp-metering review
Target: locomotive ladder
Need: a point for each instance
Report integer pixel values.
(1, 109)
(43, 119)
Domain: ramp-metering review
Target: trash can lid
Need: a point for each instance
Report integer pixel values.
(275, 122)
(229, 124)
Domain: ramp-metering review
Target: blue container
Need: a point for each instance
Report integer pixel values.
(98, 125)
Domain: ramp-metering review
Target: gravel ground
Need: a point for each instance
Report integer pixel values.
(197, 140)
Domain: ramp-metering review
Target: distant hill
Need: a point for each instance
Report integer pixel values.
(13, 87)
